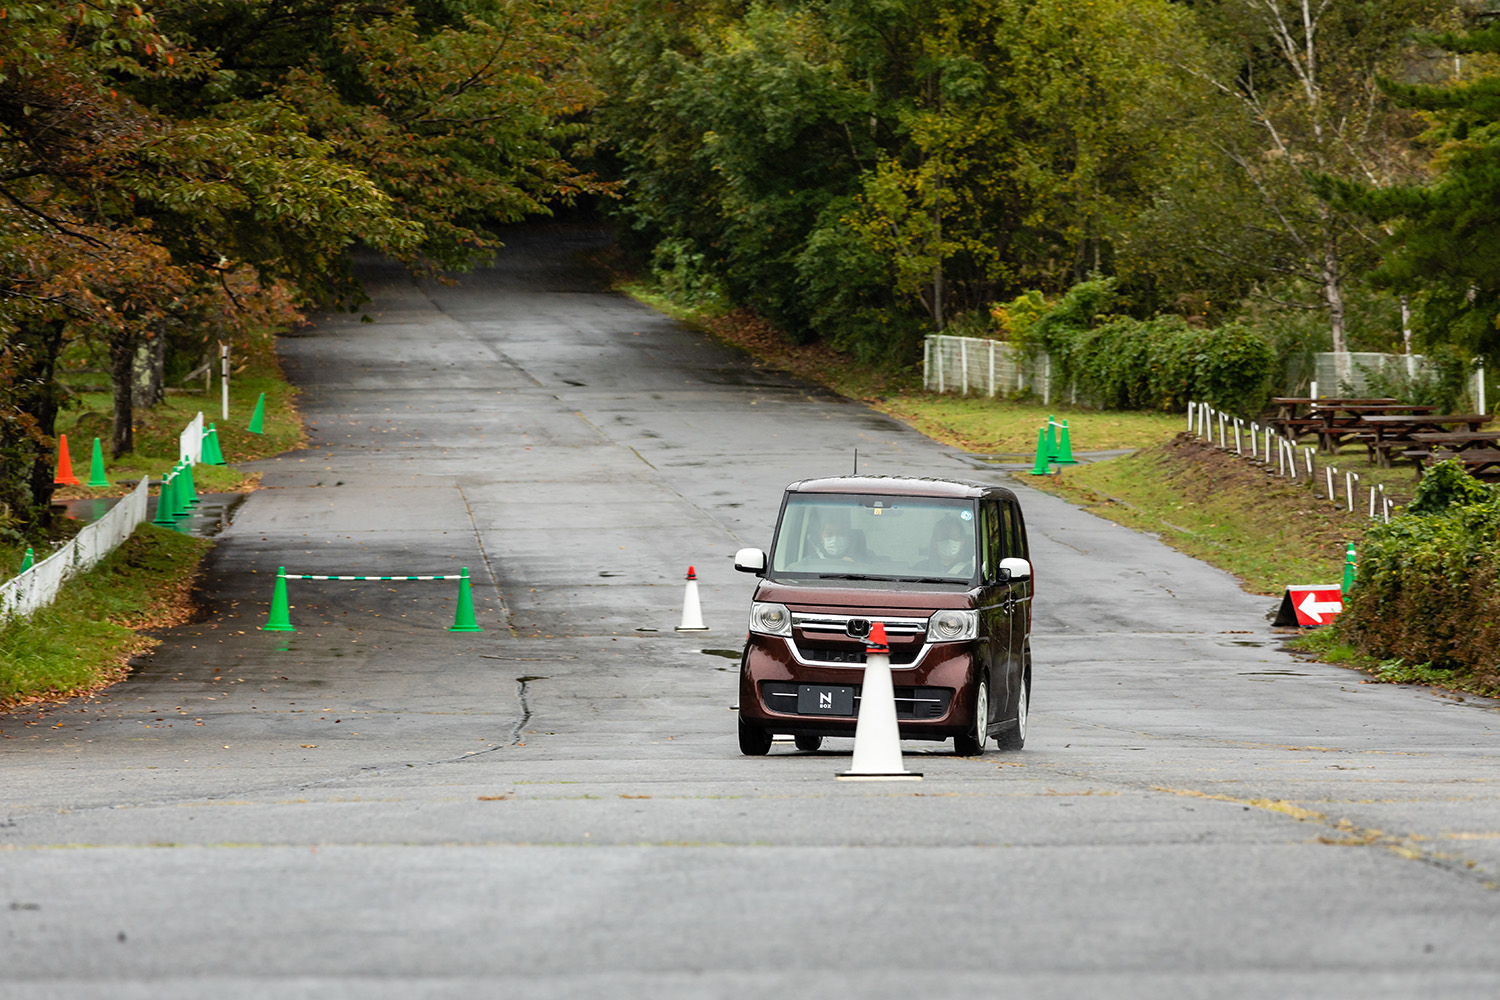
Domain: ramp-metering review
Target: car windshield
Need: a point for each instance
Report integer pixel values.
(855, 537)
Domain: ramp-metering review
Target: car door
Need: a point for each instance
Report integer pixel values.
(994, 612)
(1017, 600)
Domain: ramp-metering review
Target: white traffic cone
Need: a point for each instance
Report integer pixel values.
(877, 738)
(692, 614)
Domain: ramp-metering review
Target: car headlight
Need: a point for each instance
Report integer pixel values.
(770, 619)
(952, 626)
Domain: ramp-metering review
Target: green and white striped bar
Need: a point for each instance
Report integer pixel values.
(309, 576)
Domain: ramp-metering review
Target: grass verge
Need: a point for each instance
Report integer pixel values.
(1220, 508)
(84, 640)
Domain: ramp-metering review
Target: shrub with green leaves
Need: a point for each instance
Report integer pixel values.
(1429, 581)
(1129, 364)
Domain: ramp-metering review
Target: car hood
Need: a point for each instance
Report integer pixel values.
(898, 600)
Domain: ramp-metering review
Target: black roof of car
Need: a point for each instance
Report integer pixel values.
(911, 486)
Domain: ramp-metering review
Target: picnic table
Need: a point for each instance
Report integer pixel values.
(1293, 422)
(1340, 419)
(1479, 451)
(1394, 431)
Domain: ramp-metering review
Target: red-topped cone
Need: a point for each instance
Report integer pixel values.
(692, 612)
(877, 737)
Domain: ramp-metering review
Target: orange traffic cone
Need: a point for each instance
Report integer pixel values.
(64, 475)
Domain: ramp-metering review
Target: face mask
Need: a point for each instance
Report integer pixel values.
(835, 545)
(949, 547)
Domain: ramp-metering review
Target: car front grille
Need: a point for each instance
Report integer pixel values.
(853, 655)
(913, 704)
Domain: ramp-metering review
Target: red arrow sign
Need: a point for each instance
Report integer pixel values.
(1315, 604)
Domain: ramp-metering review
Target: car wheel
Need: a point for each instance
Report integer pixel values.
(971, 744)
(754, 741)
(808, 744)
(1015, 739)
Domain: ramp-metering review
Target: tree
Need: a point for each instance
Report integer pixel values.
(1298, 84)
(1445, 248)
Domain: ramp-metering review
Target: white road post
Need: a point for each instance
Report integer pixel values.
(1268, 445)
(1223, 419)
(1350, 478)
(224, 376)
(1328, 472)
(1191, 408)
(1280, 456)
(1307, 454)
(1237, 449)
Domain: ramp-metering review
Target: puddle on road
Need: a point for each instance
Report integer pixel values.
(211, 516)
(728, 654)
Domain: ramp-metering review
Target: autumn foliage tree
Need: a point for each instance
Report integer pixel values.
(163, 164)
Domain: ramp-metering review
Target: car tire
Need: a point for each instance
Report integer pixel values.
(1015, 739)
(754, 741)
(971, 744)
(808, 744)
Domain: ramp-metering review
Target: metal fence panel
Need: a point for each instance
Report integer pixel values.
(982, 367)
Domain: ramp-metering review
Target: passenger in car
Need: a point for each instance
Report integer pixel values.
(951, 552)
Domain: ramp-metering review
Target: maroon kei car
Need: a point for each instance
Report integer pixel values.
(942, 563)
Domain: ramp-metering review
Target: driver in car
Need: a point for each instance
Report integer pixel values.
(833, 540)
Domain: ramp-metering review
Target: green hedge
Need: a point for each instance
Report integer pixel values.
(1156, 364)
(1429, 581)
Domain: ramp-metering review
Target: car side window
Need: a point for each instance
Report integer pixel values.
(1015, 533)
(991, 538)
(1007, 531)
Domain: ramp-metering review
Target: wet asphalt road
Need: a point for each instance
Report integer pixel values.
(376, 806)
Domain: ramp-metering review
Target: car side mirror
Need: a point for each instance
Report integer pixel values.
(1015, 569)
(752, 561)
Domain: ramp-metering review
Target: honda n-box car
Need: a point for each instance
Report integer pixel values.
(943, 564)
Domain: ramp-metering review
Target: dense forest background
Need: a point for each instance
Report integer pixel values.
(1289, 174)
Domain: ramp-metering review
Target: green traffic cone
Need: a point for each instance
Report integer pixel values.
(1065, 448)
(29, 561)
(96, 467)
(1051, 438)
(463, 617)
(257, 419)
(280, 618)
(166, 496)
(1349, 569)
(212, 453)
(1040, 468)
(190, 488)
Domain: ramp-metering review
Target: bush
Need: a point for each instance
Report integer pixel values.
(1125, 363)
(1429, 581)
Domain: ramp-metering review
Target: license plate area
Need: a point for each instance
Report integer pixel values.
(825, 699)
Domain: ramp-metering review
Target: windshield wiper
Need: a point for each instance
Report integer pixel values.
(850, 576)
(929, 579)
